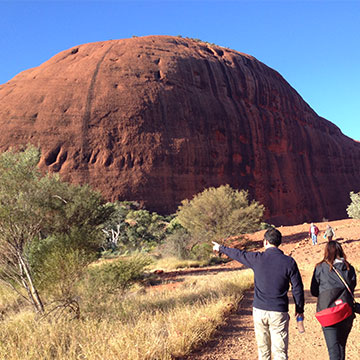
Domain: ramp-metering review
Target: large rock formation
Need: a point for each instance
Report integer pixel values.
(161, 118)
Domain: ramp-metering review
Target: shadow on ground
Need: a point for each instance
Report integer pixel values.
(295, 238)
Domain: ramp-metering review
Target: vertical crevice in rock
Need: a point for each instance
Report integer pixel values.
(159, 115)
(84, 153)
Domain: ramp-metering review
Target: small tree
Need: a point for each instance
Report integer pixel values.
(21, 218)
(131, 228)
(217, 213)
(178, 244)
(37, 211)
(108, 282)
(353, 209)
(145, 230)
(116, 225)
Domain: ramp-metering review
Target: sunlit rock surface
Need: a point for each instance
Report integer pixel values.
(161, 118)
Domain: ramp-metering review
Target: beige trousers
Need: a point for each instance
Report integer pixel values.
(272, 334)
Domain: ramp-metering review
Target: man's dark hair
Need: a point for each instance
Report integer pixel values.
(273, 236)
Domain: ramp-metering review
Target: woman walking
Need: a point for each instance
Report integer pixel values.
(327, 286)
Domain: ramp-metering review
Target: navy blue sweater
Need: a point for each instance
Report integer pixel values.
(273, 272)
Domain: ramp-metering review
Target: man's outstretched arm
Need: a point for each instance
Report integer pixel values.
(242, 256)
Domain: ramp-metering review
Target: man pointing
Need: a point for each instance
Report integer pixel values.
(273, 273)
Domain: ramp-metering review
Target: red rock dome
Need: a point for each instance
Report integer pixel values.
(160, 118)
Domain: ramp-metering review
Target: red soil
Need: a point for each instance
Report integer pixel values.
(236, 339)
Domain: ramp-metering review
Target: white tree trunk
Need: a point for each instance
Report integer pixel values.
(28, 284)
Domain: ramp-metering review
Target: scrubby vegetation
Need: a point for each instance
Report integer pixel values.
(130, 228)
(218, 213)
(150, 325)
(353, 210)
(49, 230)
(74, 269)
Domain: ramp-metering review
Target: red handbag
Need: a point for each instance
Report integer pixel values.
(335, 314)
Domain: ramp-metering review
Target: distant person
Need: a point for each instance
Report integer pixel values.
(329, 233)
(327, 286)
(273, 272)
(313, 232)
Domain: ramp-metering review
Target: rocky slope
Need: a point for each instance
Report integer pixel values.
(160, 118)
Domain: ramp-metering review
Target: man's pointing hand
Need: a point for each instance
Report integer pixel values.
(216, 246)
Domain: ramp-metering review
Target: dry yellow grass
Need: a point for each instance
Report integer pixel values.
(171, 263)
(150, 325)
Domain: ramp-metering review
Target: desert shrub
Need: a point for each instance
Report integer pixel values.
(57, 266)
(218, 213)
(116, 276)
(145, 230)
(202, 251)
(35, 207)
(265, 226)
(177, 244)
(115, 227)
(353, 209)
(173, 224)
(133, 229)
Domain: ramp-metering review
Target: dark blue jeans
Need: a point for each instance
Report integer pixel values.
(336, 337)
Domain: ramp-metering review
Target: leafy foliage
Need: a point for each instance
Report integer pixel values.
(177, 244)
(115, 226)
(57, 263)
(132, 229)
(116, 276)
(75, 206)
(145, 229)
(43, 222)
(217, 213)
(353, 209)
(202, 251)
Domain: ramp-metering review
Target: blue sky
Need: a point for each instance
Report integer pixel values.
(314, 45)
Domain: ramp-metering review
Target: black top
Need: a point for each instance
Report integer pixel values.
(273, 272)
(327, 286)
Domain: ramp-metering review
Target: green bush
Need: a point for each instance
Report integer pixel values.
(202, 251)
(57, 266)
(115, 227)
(145, 230)
(353, 210)
(133, 229)
(177, 244)
(35, 209)
(116, 276)
(218, 213)
(265, 226)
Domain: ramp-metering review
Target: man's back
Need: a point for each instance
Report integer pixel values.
(273, 272)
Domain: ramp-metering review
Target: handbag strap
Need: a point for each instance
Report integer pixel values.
(345, 283)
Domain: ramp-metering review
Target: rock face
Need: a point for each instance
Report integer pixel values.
(160, 118)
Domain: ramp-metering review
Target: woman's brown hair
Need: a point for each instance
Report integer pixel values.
(333, 250)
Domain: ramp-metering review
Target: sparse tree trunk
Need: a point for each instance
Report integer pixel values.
(28, 284)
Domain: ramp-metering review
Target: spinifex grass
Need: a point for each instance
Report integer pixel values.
(151, 325)
(171, 263)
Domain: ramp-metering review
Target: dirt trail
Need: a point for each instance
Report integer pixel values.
(236, 340)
